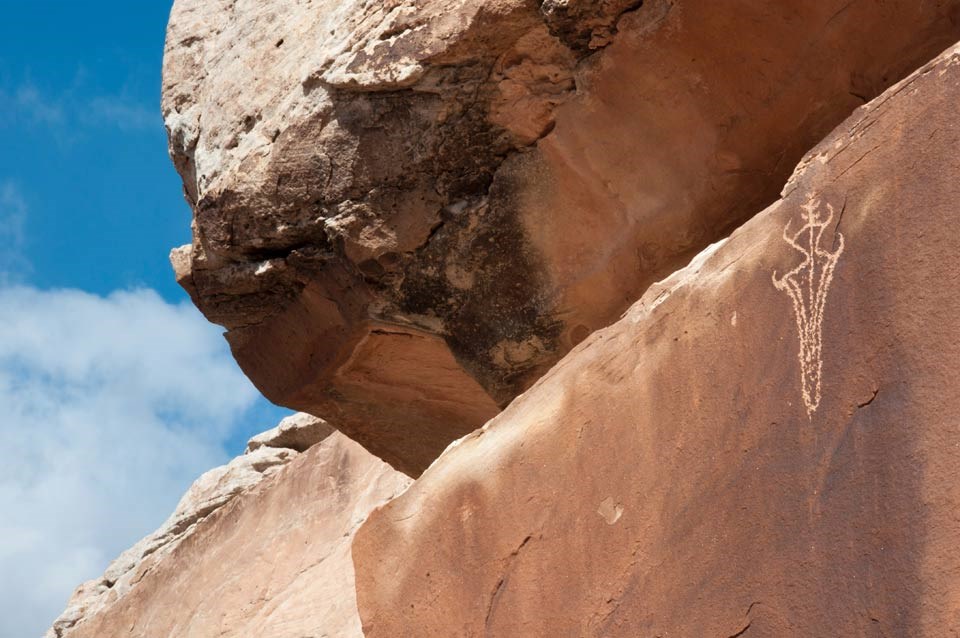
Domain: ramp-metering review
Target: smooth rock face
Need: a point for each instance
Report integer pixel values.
(765, 445)
(264, 555)
(406, 212)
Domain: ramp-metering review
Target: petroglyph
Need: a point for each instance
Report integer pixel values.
(808, 285)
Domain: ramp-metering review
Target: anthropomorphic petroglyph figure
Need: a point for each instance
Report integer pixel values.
(808, 285)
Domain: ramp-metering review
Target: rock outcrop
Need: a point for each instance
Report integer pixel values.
(296, 432)
(406, 212)
(258, 547)
(764, 445)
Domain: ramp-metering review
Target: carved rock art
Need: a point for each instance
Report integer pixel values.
(808, 285)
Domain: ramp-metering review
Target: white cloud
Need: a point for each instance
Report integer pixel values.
(109, 408)
(40, 108)
(123, 113)
(73, 107)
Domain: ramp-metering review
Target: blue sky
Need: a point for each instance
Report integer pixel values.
(114, 392)
(84, 150)
(83, 140)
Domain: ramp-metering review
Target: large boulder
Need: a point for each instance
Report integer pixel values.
(405, 213)
(258, 547)
(765, 445)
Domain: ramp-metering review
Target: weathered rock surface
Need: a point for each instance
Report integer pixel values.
(298, 432)
(405, 212)
(766, 444)
(258, 547)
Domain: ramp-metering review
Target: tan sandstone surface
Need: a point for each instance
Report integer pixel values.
(259, 547)
(765, 445)
(406, 212)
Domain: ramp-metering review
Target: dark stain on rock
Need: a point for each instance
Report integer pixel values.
(503, 303)
(585, 26)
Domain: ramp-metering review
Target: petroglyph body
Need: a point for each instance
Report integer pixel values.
(808, 285)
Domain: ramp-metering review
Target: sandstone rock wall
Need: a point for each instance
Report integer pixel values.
(764, 445)
(406, 212)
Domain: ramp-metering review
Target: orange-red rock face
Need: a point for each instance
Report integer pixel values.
(764, 445)
(689, 123)
(475, 186)
(274, 561)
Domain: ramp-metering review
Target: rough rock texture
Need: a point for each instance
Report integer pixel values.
(405, 212)
(258, 547)
(765, 445)
(296, 432)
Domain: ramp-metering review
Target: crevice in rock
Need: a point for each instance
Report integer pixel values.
(741, 632)
(501, 583)
(876, 391)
